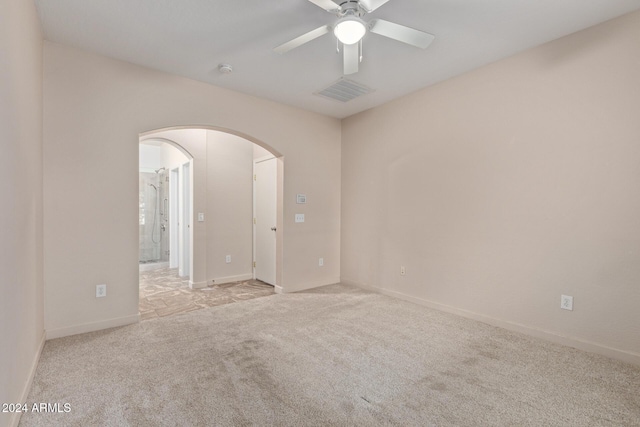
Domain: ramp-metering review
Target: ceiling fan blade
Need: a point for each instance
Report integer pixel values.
(327, 5)
(371, 5)
(299, 41)
(351, 58)
(401, 33)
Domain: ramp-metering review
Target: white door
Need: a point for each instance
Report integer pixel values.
(265, 215)
(185, 259)
(174, 223)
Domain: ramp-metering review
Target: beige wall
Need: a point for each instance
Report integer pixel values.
(94, 110)
(506, 187)
(229, 207)
(21, 288)
(259, 152)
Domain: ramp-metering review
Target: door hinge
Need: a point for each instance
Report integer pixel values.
(254, 220)
(254, 177)
(254, 264)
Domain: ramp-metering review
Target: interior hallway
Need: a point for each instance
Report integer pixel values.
(164, 293)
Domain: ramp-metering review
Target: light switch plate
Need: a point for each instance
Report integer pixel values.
(566, 302)
(101, 291)
(299, 217)
(200, 217)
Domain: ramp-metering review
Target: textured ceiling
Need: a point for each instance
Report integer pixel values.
(191, 37)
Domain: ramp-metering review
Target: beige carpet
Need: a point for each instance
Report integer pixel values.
(337, 356)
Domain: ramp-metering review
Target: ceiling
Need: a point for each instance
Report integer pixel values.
(192, 37)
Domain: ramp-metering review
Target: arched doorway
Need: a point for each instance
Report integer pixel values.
(221, 222)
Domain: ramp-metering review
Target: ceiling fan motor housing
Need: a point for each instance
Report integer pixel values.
(351, 8)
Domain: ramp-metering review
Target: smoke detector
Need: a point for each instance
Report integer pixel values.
(225, 69)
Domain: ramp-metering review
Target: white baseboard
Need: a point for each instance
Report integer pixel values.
(581, 344)
(221, 281)
(197, 285)
(277, 289)
(92, 326)
(299, 287)
(231, 279)
(15, 417)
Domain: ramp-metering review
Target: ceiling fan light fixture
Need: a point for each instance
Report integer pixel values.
(350, 30)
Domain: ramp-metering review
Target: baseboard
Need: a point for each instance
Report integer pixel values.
(220, 281)
(92, 326)
(581, 344)
(197, 285)
(15, 417)
(299, 287)
(277, 289)
(231, 279)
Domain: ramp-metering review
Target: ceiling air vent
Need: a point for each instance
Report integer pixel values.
(344, 90)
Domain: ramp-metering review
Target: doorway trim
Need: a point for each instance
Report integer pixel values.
(174, 217)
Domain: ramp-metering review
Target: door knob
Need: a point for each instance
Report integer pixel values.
(273, 229)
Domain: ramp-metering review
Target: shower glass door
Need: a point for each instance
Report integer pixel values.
(153, 217)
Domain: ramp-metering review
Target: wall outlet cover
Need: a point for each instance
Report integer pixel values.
(566, 302)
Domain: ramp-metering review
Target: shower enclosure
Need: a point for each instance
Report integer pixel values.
(154, 217)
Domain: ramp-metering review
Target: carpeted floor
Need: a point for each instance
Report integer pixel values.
(336, 356)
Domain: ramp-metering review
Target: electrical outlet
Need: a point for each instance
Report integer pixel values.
(228, 259)
(566, 302)
(403, 270)
(101, 291)
(320, 262)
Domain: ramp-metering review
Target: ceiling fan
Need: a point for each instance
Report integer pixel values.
(350, 28)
